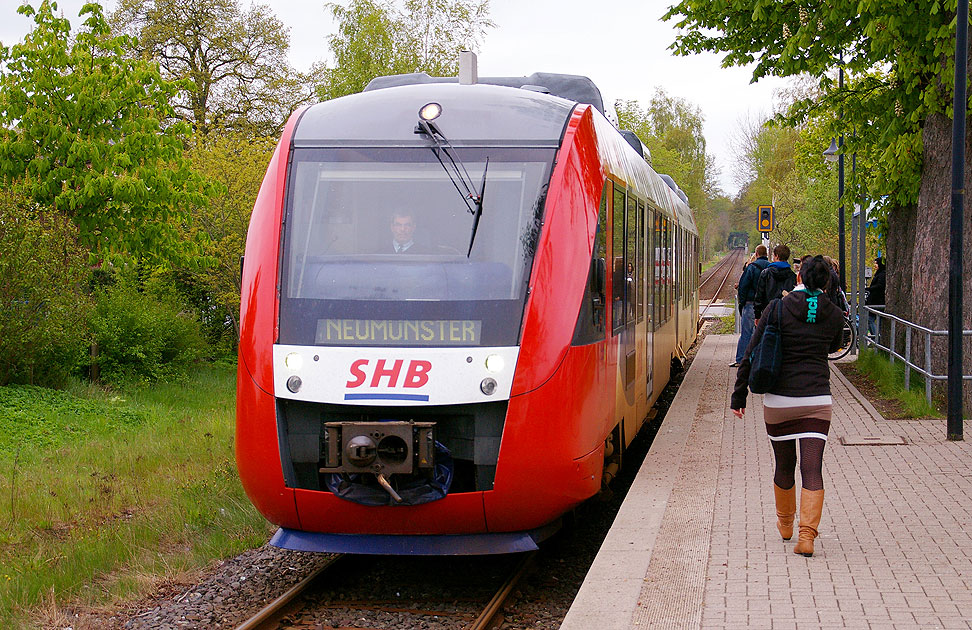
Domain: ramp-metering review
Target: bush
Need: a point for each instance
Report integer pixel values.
(143, 336)
(43, 307)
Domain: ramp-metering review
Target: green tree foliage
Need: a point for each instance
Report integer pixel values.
(43, 305)
(671, 128)
(237, 163)
(441, 29)
(376, 38)
(82, 132)
(234, 62)
(897, 55)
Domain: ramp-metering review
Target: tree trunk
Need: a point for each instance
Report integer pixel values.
(898, 258)
(929, 267)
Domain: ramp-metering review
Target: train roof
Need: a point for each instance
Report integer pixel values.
(619, 158)
(487, 115)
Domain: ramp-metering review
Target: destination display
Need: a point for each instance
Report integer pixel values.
(397, 332)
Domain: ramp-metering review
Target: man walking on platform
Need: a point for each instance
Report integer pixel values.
(774, 280)
(746, 297)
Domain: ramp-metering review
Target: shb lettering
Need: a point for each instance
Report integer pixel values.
(389, 373)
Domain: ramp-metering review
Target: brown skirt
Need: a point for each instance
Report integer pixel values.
(794, 417)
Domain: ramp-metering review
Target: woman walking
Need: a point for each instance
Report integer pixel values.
(798, 406)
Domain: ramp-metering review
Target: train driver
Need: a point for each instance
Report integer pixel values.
(403, 235)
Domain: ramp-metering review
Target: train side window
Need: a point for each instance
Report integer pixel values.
(618, 279)
(670, 269)
(693, 270)
(682, 277)
(681, 266)
(649, 275)
(676, 285)
(656, 260)
(667, 270)
(662, 262)
(640, 260)
(591, 319)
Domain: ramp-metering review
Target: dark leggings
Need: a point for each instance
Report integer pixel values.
(811, 462)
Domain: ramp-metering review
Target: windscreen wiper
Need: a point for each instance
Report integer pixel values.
(479, 209)
(453, 166)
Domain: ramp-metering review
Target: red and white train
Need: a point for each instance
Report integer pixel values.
(459, 303)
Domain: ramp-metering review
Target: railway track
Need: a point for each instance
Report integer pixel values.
(291, 605)
(721, 273)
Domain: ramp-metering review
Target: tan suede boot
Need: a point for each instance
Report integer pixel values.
(811, 505)
(785, 510)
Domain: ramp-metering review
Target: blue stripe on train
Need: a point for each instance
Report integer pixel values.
(417, 397)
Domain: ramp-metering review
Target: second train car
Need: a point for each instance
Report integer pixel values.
(459, 303)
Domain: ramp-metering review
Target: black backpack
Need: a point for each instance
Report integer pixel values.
(766, 359)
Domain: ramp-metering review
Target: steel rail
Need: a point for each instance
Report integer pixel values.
(267, 612)
(713, 271)
(729, 267)
(495, 605)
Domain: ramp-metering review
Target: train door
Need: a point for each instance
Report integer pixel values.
(623, 276)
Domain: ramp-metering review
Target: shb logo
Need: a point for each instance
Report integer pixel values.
(389, 374)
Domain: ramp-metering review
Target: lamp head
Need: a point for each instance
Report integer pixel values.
(831, 153)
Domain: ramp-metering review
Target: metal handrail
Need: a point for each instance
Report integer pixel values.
(892, 352)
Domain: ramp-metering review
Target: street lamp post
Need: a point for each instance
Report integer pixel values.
(959, 105)
(833, 154)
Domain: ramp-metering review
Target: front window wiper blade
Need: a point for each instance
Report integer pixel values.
(479, 209)
(457, 173)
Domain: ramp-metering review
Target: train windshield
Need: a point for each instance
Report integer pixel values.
(376, 243)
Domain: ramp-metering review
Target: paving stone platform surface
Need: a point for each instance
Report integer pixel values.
(695, 543)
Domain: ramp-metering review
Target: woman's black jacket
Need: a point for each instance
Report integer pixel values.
(805, 370)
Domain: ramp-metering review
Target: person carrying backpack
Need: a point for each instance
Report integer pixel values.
(774, 280)
(745, 299)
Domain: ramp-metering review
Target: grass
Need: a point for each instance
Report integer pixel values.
(712, 261)
(101, 494)
(889, 379)
(725, 326)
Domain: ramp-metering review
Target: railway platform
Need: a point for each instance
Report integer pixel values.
(695, 543)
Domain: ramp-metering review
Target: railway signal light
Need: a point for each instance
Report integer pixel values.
(765, 220)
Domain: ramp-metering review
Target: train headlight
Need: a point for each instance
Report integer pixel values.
(294, 383)
(495, 363)
(430, 111)
(294, 361)
(488, 386)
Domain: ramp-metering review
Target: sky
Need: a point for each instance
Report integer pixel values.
(623, 48)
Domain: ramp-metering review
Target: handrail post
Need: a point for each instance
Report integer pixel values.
(928, 368)
(891, 343)
(908, 358)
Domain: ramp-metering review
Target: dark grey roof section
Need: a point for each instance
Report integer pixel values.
(671, 184)
(633, 140)
(471, 114)
(480, 115)
(569, 86)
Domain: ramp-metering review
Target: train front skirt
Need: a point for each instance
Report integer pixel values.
(415, 545)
